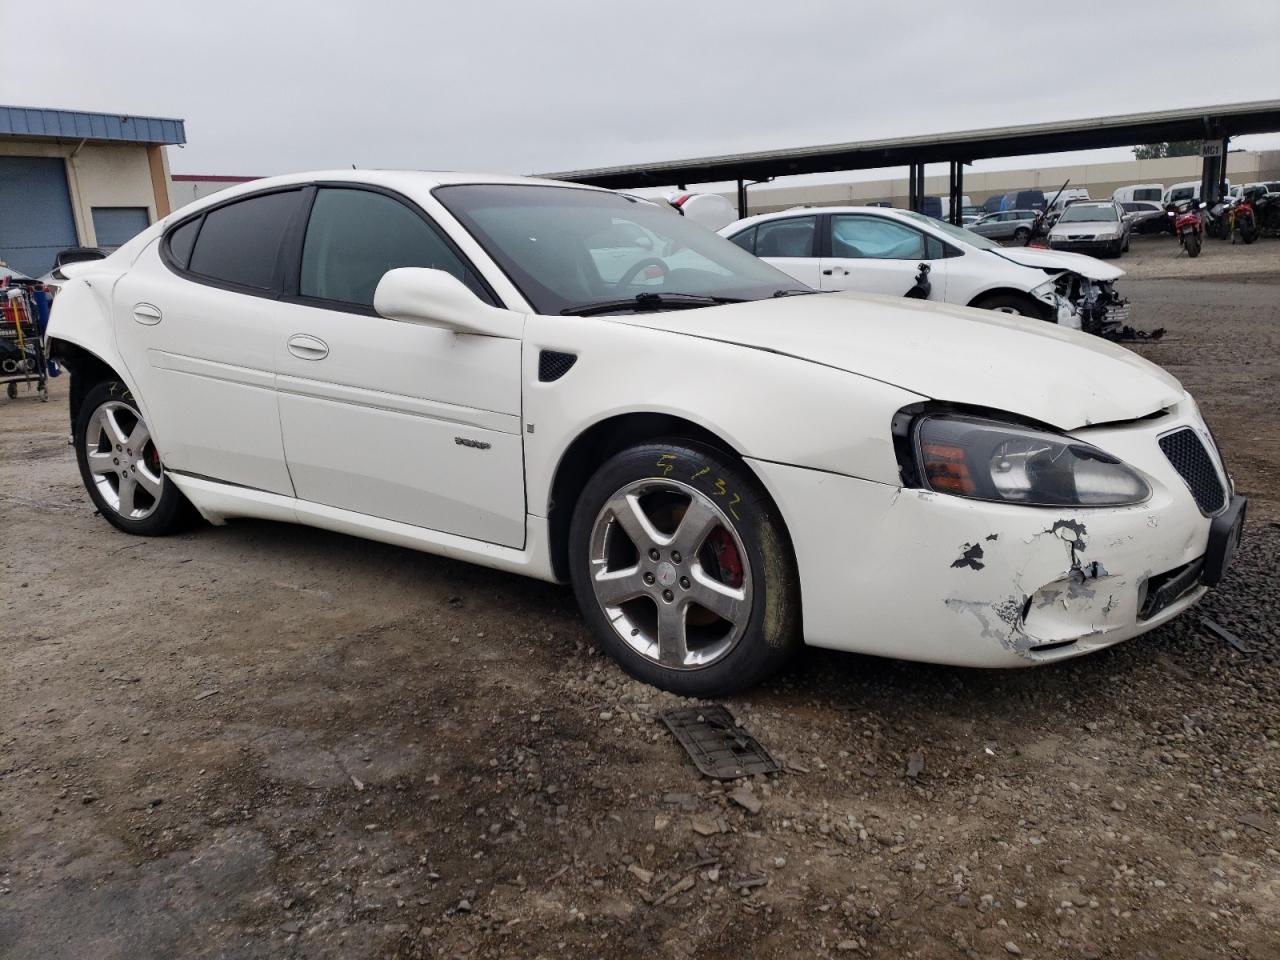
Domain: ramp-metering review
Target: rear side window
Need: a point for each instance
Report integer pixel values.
(356, 236)
(240, 243)
(746, 239)
(792, 237)
(182, 240)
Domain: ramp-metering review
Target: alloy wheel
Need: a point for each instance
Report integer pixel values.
(123, 461)
(670, 573)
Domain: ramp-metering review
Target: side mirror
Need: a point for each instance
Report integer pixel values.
(438, 299)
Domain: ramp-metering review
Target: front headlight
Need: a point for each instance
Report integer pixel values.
(989, 460)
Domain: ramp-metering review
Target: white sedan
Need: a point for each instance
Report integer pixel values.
(881, 250)
(724, 464)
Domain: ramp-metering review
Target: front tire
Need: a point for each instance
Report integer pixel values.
(1021, 235)
(121, 467)
(1014, 304)
(683, 571)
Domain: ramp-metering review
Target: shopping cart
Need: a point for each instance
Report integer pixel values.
(22, 358)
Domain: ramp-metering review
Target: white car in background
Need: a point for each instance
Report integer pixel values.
(877, 250)
(1094, 226)
(723, 464)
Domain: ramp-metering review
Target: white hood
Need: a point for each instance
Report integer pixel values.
(1080, 263)
(1039, 370)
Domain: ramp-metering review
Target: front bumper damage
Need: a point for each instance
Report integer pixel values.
(1079, 303)
(916, 575)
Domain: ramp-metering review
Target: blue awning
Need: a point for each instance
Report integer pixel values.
(42, 124)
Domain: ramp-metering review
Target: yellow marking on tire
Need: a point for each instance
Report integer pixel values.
(737, 498)
(720, 490)
(700, 473)
(664, 466)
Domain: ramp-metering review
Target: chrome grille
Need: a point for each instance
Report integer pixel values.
(1189, 457)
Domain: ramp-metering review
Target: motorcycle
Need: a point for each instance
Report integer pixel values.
(1188, 225)
(1242, 219)
(1215, 219)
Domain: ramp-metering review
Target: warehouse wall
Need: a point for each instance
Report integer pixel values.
(103, 175)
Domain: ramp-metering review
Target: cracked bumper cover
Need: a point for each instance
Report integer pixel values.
(922, 576)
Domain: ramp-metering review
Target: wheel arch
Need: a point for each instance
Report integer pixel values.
(991, 293)
(601, 440)
(87, 369)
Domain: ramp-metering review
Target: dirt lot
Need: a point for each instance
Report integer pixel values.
(266, 741)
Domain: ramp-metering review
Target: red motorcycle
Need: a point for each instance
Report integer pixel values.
(1188, 225)
(1243, 220)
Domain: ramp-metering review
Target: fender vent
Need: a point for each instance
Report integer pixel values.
(552, 365)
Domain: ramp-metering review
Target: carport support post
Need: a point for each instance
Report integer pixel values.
(1213, 172)
(957, 192)
(913, 189)
(742, 199)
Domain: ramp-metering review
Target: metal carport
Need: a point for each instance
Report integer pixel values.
(1215, 123)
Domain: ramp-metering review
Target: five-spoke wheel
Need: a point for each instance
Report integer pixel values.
(120, 464)
(682, 569)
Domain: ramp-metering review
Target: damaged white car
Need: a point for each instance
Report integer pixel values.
(724, 464)
(899, 253)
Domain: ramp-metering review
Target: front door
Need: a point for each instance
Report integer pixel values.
(395, 420)
(874, 254)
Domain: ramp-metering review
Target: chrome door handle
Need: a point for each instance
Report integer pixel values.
(147, 313)
(306, 347)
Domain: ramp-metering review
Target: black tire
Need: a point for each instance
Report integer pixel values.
(1022, 234)
(172, 511)
(1125, 248)
(771, 632)
(1013, 303)
(1192, 243)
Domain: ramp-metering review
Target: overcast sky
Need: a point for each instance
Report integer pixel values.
(273, 86)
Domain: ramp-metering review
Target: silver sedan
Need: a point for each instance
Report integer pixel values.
(1005, 224)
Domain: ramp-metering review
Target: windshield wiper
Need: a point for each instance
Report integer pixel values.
(647, 301)
(795, 292)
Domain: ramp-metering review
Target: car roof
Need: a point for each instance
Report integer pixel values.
(407, 181)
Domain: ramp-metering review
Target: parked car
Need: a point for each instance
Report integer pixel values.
(1144, 216)
(1187, 190)
(722, 463)
(1006, 225)
(1097, 226)
(881, 251)
(1152, 192)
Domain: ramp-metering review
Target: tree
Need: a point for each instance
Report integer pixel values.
(1173, 148)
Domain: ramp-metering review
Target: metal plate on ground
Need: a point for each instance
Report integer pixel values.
(720, 748)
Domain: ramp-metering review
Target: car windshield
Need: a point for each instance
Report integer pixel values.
(568, 249)
(1082, 213)
(951, 230)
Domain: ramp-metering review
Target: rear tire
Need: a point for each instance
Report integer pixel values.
(1192, 243)
(659, 529)
(121, 467)
(1021, 235)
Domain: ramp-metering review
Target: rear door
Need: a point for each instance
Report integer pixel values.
(874, 254)
(394, 420)
(197, 321)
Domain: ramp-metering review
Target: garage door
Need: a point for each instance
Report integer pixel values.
(115, 226)
(35, 213)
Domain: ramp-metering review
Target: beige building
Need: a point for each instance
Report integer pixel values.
(1101, 179)
(70, 178)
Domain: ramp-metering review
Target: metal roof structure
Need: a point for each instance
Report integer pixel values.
(38, 123)
(1194, 123)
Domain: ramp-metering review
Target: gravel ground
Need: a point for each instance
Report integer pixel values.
(267, 741)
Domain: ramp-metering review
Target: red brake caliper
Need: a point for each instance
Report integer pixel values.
(727, 557)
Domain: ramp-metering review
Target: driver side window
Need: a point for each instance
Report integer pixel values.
(858, 237)
(355, 236)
